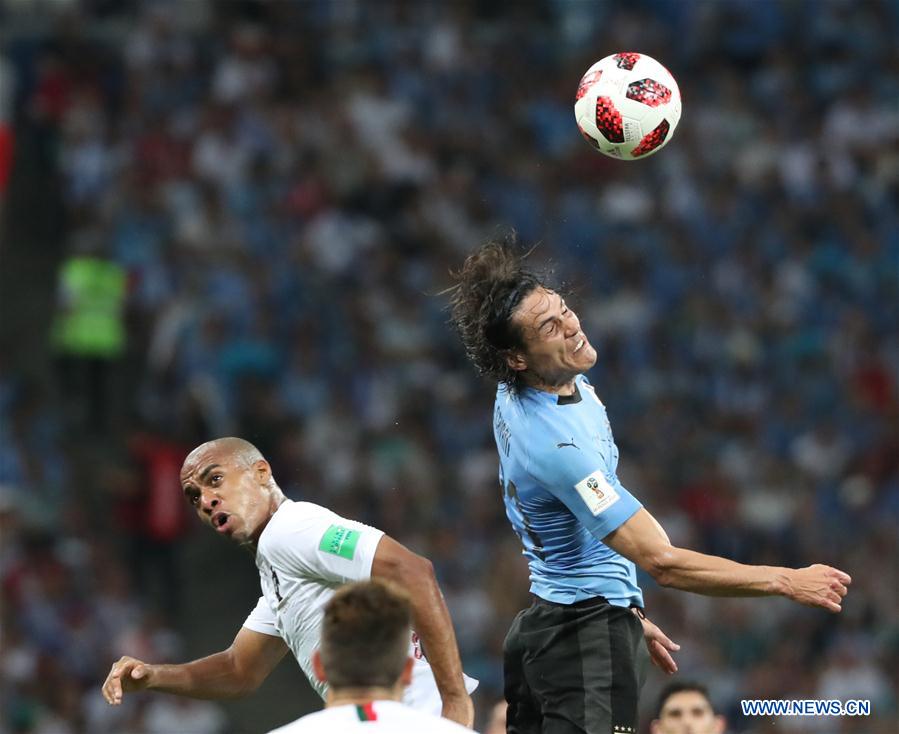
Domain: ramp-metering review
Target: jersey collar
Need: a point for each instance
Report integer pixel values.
(552, 398)
(572, 399)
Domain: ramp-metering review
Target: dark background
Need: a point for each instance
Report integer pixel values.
(277, 191)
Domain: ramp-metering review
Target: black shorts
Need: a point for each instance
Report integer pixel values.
(574, 669)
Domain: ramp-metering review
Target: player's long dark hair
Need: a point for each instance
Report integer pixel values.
(489, 286)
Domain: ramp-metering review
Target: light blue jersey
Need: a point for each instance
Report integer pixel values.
(558, 464)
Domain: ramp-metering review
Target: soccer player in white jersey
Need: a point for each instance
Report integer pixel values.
(364, 657)
(304, 553)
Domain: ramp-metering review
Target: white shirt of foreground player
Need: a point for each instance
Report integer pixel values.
(306, 553)
(389, 717)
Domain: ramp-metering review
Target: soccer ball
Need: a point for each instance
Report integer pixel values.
(627, 106)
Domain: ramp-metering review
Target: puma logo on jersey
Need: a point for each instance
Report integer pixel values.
(571, 443)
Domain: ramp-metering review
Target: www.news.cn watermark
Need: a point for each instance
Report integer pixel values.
(805, 707)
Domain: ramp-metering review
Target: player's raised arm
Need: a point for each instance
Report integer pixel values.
(642, 540)
(415, 575)
(232, 673)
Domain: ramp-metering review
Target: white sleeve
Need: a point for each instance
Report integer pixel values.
(262, 619)
(319, 543)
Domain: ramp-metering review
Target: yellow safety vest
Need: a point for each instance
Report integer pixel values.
(90, 323)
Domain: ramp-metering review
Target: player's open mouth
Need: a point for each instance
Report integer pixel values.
(580, 343)
(220, 522)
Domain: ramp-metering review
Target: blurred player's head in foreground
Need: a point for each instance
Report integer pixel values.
(364, 652)
(685, 708)
(515, 328)
(230, 485)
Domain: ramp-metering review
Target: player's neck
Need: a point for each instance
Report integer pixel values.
(276, 499)
(362, 696)
(565, 388)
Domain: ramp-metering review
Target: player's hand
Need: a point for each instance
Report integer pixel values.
(127, 674)
(818, 586)
(459, 709)
(659, 646)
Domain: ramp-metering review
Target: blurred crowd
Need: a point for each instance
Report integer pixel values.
(276, 193)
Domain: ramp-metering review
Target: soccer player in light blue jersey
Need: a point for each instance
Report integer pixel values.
(575, 660)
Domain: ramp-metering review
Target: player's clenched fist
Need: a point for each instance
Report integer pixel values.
(127, 674)
(818, 586)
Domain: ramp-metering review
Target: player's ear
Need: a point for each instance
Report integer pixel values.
(406, 675)
(516, 361)
(318, 668)
(655, 727)
(263, 471)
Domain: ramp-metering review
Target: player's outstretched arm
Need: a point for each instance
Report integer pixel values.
(396, 563)
(642, 540)
(232, 673)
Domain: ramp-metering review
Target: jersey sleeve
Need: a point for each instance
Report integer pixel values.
(581, 478)
(319, 543)
(262, 619)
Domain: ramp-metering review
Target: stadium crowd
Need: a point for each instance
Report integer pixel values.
(283, 187)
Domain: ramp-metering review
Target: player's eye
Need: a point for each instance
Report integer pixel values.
(216, 478)
(192, 496)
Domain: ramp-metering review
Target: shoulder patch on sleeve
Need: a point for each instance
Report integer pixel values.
(596, 492)
(340, 541)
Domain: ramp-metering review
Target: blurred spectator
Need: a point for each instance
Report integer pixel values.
(685, 708)
(89, 334)
(152, 513)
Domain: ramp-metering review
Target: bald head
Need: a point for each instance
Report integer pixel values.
(229, 449)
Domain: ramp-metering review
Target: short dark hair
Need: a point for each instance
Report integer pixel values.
(491, 284)
(366, 635)
(686, 686)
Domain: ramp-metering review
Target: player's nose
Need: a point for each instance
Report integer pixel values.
(208, 501)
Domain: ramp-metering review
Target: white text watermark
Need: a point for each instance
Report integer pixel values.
(805, 707)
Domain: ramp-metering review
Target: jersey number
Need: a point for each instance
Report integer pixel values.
(277, 585)
(512, 493)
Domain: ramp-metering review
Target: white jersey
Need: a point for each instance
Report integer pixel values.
(304, 554)
(388, 717)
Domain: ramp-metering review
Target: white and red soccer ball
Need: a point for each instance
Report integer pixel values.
(627, 106)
